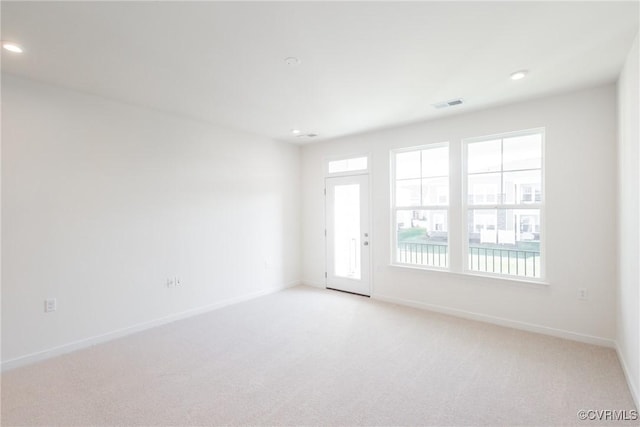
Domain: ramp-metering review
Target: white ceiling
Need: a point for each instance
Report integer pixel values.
(364, 65)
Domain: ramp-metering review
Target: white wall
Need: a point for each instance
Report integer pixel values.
(580, 218)
(101, 202)
(628, 333)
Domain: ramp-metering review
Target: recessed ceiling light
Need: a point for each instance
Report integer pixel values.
(295, 131)
(519, 75)
(292, 60)
(12, 47)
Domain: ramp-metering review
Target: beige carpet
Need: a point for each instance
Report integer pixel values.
(307, 356)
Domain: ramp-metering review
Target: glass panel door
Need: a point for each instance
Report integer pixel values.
(348, 240)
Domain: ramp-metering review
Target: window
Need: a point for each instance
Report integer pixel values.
(500, 217)
(420, 180)
(352, 164)
(503, 182)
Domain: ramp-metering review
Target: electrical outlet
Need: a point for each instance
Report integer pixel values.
(176, 281)
(50, 305)
(171, 282)
(583, 294)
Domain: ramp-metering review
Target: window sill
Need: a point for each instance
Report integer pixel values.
(479, 276)
(423, 268)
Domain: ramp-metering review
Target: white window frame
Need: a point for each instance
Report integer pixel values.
(394, 208)
(330, 159)
(466, 207)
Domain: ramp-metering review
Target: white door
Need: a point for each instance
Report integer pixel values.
(348, 244)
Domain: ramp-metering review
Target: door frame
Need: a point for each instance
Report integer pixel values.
(369, 216)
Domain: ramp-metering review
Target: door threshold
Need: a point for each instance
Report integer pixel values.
(348, 292)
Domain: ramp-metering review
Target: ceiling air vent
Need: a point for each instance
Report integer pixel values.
(450, 103)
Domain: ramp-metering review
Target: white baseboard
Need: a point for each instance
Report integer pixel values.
(633, 387)
(291, 284)
(313, 284)
(529, 327)
(98, 339)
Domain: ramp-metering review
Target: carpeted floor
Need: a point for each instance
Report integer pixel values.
(308, 356)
